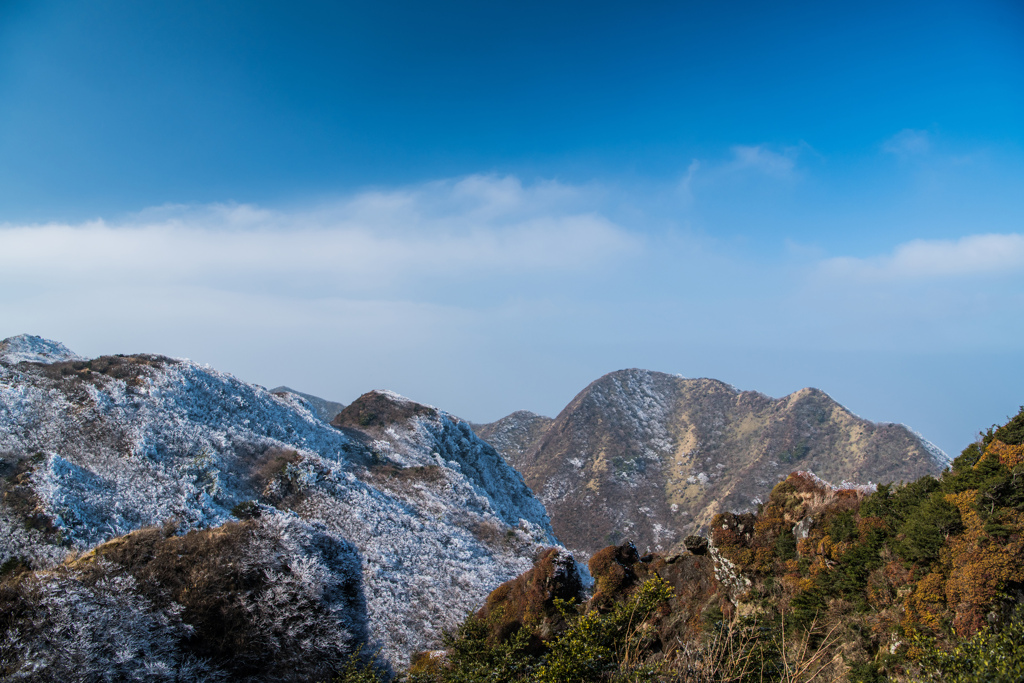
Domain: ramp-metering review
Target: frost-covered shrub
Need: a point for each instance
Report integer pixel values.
(64, 626)
(280, 473)
(273, 596)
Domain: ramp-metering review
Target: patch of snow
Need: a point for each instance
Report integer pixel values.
(940, 456)
(844, 485)
(33, 349)
(398, 398)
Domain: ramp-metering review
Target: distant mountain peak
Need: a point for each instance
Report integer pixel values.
(326, 410)
(34, 349)
(653, 457)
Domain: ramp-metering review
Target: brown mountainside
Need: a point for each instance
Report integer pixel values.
(652, 457)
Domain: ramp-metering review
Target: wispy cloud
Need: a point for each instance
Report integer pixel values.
(908, 142)
(750, 165)
(992, 254)
(763, 160)
(686, 184)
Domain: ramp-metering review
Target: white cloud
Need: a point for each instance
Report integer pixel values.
(468, 229)
(908, 142)
(970, 255)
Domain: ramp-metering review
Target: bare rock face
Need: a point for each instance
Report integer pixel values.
(697, 591)
(380, 409)
(698, 545)
(698, 595)
(653, 457)
(530, 597)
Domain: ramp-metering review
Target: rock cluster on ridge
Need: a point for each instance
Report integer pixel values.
(653, 457)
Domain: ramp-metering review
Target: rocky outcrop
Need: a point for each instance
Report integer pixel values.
(529, 599)
(697, 592)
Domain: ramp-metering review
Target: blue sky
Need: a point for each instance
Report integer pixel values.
(485, 206)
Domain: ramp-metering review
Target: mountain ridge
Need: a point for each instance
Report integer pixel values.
(96, 450)
(652, 456)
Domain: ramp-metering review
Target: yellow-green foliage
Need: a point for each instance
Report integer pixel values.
(989, 656)
(595, 646)
(359, 670)
(607, 646)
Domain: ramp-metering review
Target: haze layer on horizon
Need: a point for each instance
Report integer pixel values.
(485, 206)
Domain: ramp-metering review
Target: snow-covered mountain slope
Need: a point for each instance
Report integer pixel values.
(92, 450)
(516, 434)
(435, 434)
(271, 598)
(326, 410)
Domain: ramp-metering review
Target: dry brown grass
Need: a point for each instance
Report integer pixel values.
(269, 476)
(753, 650)
(374, 409)
(127, 368)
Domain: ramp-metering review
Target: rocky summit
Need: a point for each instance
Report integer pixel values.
(654, 457)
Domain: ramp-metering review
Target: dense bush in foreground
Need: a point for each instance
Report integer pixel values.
(935, 561)
(594, 646)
